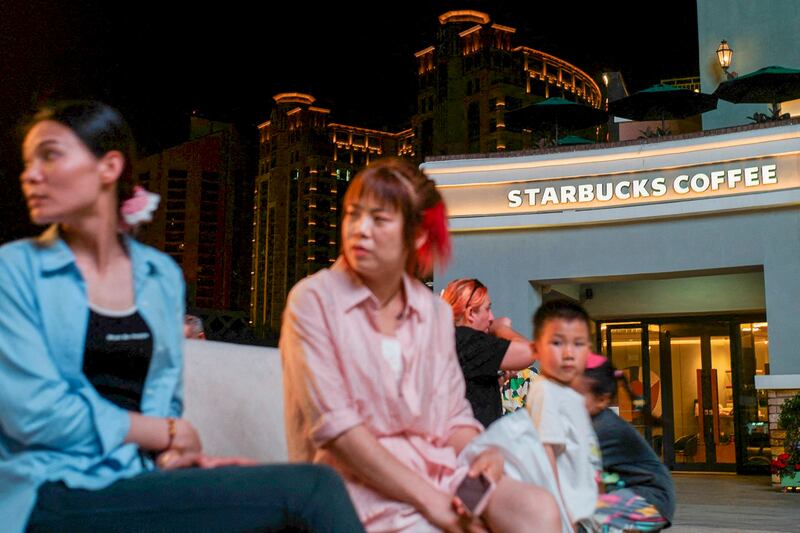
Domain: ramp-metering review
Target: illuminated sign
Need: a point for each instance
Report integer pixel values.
(621, 189)
(644, 187)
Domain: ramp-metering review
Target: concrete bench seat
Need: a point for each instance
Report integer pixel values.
(233, 394)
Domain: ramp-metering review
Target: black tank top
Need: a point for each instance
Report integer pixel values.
(119, 347)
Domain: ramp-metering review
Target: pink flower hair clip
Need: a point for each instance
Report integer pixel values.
(139, 208)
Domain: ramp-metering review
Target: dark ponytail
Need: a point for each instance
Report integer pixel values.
(100, 127)
(604, 379)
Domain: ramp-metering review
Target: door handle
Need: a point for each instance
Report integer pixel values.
(708, 412)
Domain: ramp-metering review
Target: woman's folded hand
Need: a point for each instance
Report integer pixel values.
(186, 440)
(211, 461)
(173, 459)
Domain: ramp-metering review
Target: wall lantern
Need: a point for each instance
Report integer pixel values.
(725, 57)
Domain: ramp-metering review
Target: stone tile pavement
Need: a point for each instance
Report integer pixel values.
(733, 504)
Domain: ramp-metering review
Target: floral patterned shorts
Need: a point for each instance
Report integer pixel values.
(623, 510)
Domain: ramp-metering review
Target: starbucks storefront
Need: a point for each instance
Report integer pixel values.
(685, 252)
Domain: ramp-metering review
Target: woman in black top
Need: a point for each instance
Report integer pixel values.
(486, 346)
(91, 437)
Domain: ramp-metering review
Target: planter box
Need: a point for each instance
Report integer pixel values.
(791, 481)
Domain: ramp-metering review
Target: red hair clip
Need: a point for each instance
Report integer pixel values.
(437, 245)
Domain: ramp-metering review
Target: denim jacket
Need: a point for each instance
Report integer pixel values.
(54, 426)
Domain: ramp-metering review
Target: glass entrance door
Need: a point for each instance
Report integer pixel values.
(699, 377)
(751, 404)
(633, 348)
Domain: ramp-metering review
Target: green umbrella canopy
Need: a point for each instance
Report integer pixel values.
(768, 85)
(556, 101)
(661, 102)
(557, 112)
(571, 140)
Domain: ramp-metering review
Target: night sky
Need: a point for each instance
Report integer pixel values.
(158, 64)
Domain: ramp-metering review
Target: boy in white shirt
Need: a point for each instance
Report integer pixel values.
(561, 342)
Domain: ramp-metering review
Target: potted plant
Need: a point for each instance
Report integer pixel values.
(787, 464)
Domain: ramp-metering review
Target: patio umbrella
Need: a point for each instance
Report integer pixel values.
(558, 112)
(571, 140)
(769, 85)
(661, 102)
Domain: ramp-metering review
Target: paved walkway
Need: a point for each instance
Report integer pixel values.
(730, 503)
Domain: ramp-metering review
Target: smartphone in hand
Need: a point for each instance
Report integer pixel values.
(474, 493)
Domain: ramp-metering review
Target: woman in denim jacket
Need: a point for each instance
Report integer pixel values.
(91, 363)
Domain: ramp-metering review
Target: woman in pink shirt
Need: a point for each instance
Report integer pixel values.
(371, 379)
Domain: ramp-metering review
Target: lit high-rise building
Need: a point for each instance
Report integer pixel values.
(202, 183)
(305, 164)
(473, 74)
(468, 79)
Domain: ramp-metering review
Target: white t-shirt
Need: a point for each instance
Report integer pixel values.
(560, 416)
(391, 351)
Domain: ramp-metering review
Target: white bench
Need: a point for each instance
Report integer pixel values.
(233, 394)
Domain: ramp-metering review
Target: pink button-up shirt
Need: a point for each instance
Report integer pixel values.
(335, 378)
